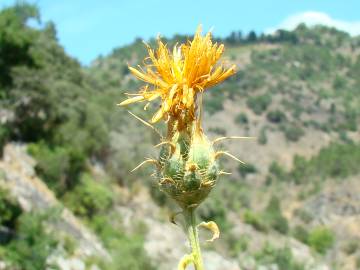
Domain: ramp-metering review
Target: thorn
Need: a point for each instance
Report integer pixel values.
(224, 173)
(146, 124)
(144, 162)
(172, 146)
(231, 137)
(218, 154)
(146, 106)
(208, 184)
(167, 180)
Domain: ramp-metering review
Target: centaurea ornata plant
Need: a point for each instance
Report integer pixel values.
(187, 167)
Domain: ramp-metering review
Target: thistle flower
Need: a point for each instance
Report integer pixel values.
(178, 76)
(187, 168)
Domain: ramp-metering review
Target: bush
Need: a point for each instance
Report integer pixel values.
(304, 215)
(278, 171)
(4, 134)
(238, 244)
(301, 234)
(357, 261)
(339, 83)
(9, 212)
(58, 166)
(32, 245)
(321, 239)
(293, 133)
(276, 116)
(127, 250)
(241, 119)
(255, 220)
(214, 101)
(300, 168)
(273, 216)
(259, 104)
(262, 139)
(352, 246)
(245, 169)
(337, 160)
(89, 197)
(282, 257)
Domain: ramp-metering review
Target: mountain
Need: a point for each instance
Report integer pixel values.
(294, 205)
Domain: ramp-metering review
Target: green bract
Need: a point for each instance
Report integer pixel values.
(188, 170)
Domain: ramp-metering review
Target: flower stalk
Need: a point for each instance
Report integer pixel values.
(193, 235)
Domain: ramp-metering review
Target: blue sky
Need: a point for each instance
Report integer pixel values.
(88, 28)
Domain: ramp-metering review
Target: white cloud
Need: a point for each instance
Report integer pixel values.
(311, 18)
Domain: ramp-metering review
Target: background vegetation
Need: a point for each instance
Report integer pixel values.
(298, 92)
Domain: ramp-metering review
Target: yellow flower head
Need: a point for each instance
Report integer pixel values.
(178, 76)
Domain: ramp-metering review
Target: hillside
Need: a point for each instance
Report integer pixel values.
(294, 205)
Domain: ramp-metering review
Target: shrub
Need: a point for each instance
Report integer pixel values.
(259, 104)
(339, 83)
(9, 212)
(262, 139)
(335, 160)
(278, 171)
(301, 234)
(321, 239)
(352, 246)
(357, 261)
(276, 116)
(58, 166)
(273, 216)
(89, 197)
(127, 250)
(241, 119)
(238, 244)
(255, 220)
(304, 215)
(4, 134)
(282, 257)
(300, 168)
(214, 102)
(32, 245)
(245, 169)
(293, 133)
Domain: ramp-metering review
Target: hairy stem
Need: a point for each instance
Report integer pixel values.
(193, 238)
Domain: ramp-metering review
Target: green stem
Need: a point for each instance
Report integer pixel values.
(193, 238)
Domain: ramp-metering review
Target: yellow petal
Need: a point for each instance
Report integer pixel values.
(131, 100)
(157, 116)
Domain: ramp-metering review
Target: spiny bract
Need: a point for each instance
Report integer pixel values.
(188, 169)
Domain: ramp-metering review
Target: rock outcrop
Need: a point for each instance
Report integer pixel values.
(18, 175)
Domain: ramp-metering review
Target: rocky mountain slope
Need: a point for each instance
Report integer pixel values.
(68, 199)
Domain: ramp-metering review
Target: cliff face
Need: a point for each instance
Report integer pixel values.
(18, 176)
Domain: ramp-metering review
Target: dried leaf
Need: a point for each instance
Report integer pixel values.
(213, 227)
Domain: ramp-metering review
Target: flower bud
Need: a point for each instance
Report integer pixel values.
(188, 170)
